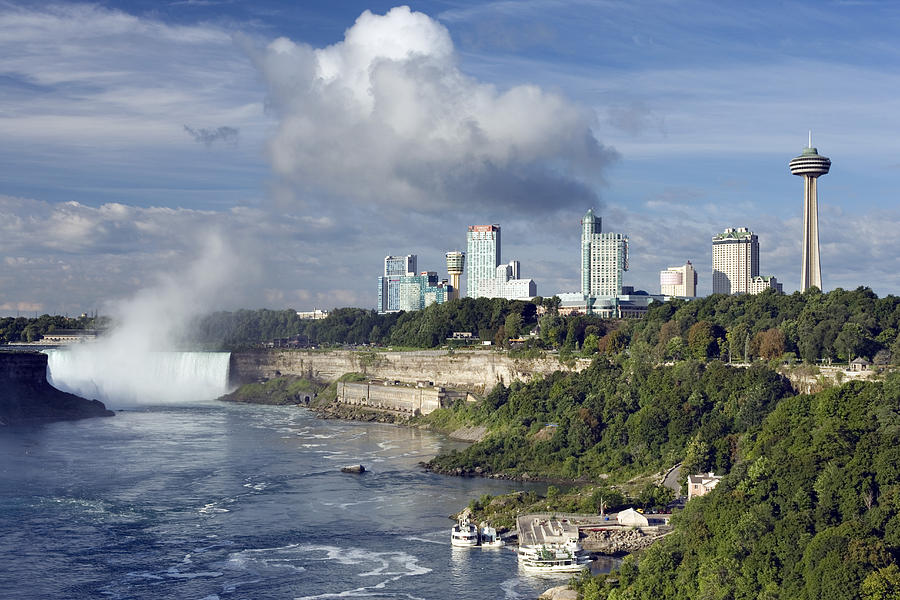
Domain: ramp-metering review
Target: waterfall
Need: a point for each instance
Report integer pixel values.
(125, 379)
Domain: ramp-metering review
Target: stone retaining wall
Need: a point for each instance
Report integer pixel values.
(413, 400)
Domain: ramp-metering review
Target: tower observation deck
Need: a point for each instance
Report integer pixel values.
(810, 165)
(456, 261)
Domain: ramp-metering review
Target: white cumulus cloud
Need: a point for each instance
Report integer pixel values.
(387, 115)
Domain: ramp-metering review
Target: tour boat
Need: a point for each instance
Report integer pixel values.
(464, 533)
(553, 558)
(489, 538)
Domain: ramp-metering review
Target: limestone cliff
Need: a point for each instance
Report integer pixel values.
(26, 397)
(477, 371)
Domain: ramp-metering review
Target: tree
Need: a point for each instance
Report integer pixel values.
(591, 345)
(701, 340)
(513, 324)
(771, 344)
(850, 340)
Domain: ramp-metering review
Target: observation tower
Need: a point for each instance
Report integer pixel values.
(456, 260)
(810, 165)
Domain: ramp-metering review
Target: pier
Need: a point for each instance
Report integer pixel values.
(596, 533)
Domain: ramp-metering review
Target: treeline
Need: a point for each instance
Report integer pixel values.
(491, 319)
(812, 326)
(23, 329)
(812, 512)
(616, 419)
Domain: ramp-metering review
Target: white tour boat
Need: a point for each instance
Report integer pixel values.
(464, 533)
(489, 538)
(553, 558)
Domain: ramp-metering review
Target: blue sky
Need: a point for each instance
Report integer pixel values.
(134, 131)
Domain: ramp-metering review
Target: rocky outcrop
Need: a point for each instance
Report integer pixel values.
(617, 542)
(560, 592)
(470, 434)
(26, 397)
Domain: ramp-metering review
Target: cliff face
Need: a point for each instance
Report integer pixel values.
(26, 397)
(475, 370)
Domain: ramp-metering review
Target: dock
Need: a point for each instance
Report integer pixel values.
(536, 530)
(553, 528)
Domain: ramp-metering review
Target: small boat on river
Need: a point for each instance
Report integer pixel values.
(488, 537)
(464, 533)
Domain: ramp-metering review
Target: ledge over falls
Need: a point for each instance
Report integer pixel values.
(26, 397)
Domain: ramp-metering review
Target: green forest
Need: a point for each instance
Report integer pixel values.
(811, 510)
(615, 419)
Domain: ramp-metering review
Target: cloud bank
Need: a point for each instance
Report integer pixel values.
(387, 116)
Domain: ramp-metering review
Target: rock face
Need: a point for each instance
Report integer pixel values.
(562, 592)
(617, 542)
(477, 371)
(26, 397)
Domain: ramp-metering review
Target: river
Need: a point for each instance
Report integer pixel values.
(220, 501)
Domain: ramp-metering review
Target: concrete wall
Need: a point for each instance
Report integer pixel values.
(478, 371)
(414, 400)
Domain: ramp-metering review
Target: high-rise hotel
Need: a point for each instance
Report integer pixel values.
(482, 257)
(604, 258)
(735, 255)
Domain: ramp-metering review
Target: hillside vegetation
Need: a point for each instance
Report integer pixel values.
(617, 419)
(812, 511)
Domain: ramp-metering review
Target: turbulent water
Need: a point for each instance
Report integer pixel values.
(217, 501)
(121, 379)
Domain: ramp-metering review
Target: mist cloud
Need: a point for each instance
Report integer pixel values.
(386, 115)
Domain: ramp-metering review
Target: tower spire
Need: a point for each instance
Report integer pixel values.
(810, 165)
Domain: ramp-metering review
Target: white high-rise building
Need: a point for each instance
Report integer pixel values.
(679, 281)
(604, 258)
(507, 284)
(482, 256)
(735, 256)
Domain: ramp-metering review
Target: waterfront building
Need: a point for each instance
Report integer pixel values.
(604, 258)
(456, 262)
(679, 281)
(702, 484)
(810, 165)
(483, 256)
(395, 267)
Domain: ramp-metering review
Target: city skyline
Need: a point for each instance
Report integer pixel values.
(138, 131)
